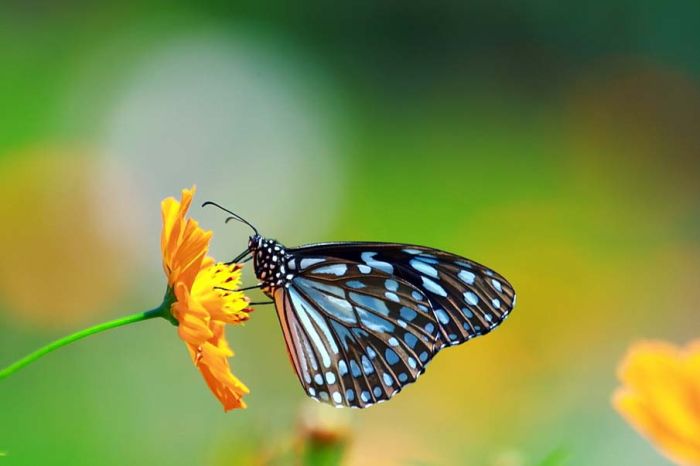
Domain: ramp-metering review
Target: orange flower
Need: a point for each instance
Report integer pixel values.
(660, 397)
(200, 309)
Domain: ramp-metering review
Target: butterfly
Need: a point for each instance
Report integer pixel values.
(362, 320)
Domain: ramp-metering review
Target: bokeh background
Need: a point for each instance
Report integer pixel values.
(557, 142)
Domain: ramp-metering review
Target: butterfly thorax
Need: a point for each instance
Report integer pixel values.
(270, 263)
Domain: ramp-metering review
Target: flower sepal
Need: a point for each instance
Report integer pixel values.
(167, 305)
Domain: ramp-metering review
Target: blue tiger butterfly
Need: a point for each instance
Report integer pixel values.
(361, 320)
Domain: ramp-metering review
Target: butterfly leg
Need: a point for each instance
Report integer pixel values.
(261, 303)
(247, 288)
(253, 287)
(239, 257)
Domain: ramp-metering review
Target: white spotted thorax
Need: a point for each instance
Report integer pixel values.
(270, 263)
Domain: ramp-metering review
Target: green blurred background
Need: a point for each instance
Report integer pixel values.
(556, 142)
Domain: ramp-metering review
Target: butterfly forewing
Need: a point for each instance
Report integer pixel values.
(467, 298)
(356, 334)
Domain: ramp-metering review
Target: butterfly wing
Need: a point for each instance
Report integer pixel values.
(467, 298)
(356, 335)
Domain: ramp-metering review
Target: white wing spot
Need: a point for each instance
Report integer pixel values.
(467, 277)
(471, 298)
(433, 287)
(309, 262)
(424, 268)
(392, 296)
(368, 258)
(330, 378)
(335, 269)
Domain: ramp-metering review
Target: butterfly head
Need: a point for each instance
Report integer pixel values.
(255, 242)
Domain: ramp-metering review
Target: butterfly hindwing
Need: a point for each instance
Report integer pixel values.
(356, 334)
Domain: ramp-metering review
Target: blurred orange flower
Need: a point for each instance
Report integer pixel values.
(200, 309)
(660, 397)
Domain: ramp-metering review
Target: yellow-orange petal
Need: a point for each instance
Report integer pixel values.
(213, 363)
(660, 397)
(193, 319)
(184, 243)
(224, 385)
(173, 214)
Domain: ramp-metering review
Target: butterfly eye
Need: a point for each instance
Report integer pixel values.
(254, 242)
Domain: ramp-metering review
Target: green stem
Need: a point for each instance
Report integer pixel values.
(160, 311)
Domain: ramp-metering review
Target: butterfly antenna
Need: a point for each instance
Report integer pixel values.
(234, 215)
